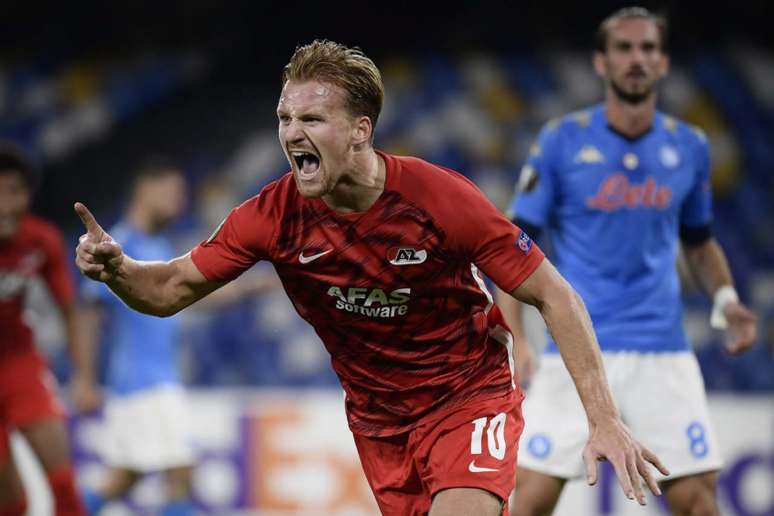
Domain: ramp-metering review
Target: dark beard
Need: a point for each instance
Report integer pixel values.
(630, 98)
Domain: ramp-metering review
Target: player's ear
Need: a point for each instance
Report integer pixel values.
(362, 131)
(598, 60)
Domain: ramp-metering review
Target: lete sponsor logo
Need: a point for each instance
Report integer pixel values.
(616, 192)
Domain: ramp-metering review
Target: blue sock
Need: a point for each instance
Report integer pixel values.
(93, 501)
(178, 508)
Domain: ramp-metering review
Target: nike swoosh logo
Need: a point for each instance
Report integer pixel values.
(475, 469)
(313, 257)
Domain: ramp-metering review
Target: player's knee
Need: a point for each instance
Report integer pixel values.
(18, 507)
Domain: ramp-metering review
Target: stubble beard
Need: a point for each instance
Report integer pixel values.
(633, 98)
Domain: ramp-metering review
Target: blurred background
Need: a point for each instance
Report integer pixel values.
(90, 89)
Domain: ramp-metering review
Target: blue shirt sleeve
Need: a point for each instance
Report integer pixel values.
(697, 207)
(536, 189)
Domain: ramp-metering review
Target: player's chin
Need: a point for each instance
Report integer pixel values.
(310, 188)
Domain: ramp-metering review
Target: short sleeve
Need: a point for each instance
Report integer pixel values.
(697, 207)
(242, 239)
(55, 271)
(478, 231)
(535, 191)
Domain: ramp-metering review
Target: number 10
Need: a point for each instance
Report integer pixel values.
(495, 435)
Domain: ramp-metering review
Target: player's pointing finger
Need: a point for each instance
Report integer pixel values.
(91, 224)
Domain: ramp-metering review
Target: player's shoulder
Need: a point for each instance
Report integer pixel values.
(574, 122)
(681, 130)
(566, 130)
(418, 176)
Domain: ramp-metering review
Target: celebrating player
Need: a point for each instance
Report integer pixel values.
(617, 184)
(381, 254)
(145, 412)
(29, 248)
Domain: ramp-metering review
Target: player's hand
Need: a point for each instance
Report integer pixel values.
(98, 256)
(742, 329)
(84, 394)
(612, 441)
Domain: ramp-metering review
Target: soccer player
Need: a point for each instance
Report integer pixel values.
(381, 254)
(618, 185)
(30, 247)
(145, 411)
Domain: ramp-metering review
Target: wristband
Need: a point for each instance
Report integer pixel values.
(723, 296)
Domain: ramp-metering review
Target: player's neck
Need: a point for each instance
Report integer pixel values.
(359, 188)
(631, 120)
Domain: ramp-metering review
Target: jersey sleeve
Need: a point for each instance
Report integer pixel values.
(697, 207)
(56, 271)
(477, 230)
(242, 239)
(535, 191)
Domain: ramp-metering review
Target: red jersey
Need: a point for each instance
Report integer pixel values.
(393, 292)
(36, 250)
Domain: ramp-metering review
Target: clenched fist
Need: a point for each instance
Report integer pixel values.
(98, 256)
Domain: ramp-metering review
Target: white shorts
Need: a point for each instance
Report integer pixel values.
(661, 399)
(148, 431)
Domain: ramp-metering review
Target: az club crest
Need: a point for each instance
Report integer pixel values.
(406, 256)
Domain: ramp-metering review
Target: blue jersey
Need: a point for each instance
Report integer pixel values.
(143, 349)
(613, 207)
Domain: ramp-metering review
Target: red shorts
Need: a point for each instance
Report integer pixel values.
(28, 393)
(473, 446)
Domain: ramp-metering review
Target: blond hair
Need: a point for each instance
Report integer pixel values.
(348, 68)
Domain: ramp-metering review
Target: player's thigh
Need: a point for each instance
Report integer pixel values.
(536, 493)
(692, 494)
(464, 501)
(474, 446)
(48, 440)
(665, 405)
(391, 472)
(11, 489)
(555, 424)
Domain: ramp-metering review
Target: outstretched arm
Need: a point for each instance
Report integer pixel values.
(569, 323)
(155, 288)
(708, 264)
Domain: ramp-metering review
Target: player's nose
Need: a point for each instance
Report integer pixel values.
(294, 133)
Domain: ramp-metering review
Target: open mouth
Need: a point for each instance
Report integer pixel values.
(308, 163)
